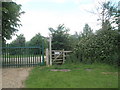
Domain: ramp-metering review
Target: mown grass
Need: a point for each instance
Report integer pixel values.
(98, 76)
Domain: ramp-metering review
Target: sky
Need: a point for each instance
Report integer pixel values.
(42, 14)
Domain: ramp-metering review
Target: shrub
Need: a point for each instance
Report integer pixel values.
(100, 47)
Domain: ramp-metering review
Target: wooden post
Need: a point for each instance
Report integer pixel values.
(50, 49)
(63, 56)
(47, 58)
(42, 52)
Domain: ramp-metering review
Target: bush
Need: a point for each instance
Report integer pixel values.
(101, 47)
(71, 59)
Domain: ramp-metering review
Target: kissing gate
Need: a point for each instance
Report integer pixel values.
(22, 56)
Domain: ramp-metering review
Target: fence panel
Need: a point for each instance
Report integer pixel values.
(22, 56)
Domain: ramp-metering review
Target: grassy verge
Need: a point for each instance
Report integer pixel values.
(80, 76)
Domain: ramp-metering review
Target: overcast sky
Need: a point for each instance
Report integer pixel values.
(42, 14)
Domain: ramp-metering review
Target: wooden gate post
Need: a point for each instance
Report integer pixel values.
(42, 52)
(63, 56)
(50, 51)
(47, 57)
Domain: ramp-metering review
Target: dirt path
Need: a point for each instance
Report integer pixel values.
(14, 77)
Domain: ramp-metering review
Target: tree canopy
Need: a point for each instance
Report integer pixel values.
(18, 42)
(88, 47)
(60, 37)
(107, 14)
(87, 31)
(38, 40)
(11, 13)
(103, 45)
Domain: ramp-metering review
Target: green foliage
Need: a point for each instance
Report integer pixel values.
(11, 13)
(60, 38)
(87, 31)
(72, 59)
(18, 42)
(107, 12)
(73, 40)
(101, 47)
(109, 46)
(37, 41)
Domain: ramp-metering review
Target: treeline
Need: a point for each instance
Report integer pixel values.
(100, 47)
(90, 47)
(37, 41)
(87, 46)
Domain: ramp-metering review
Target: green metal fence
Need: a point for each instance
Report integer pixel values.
(22, 56)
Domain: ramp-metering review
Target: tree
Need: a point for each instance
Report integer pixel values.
(87, 31)
(73, 40)
(60, 38)
(18, 42)
(107, 13)
(101, 47)
(37, 41)
(118, 16)
(11, 13)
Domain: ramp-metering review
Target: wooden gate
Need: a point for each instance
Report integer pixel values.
(22, 56)
(59, 56)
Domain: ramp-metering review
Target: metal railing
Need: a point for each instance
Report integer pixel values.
(22, 56)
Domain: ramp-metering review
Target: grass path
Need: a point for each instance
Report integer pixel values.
(80, 76)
